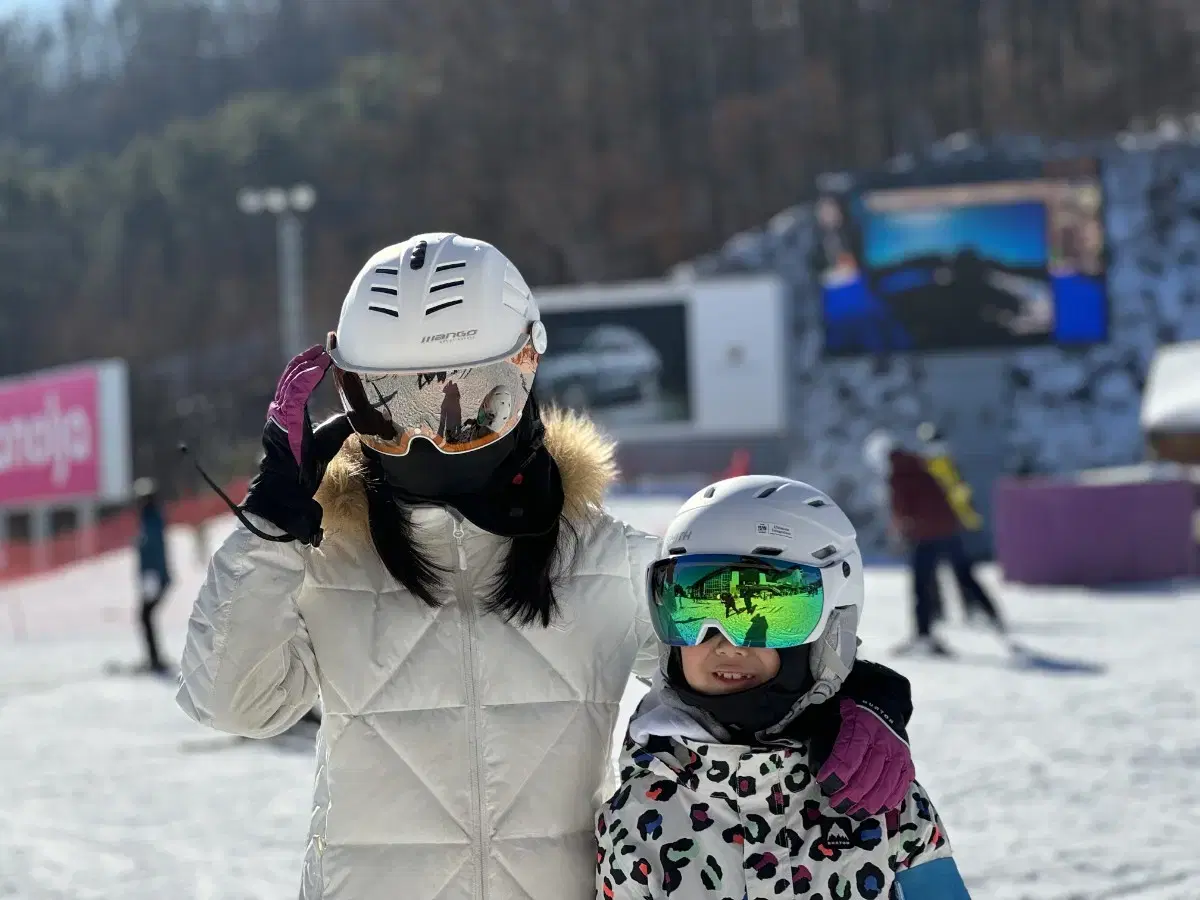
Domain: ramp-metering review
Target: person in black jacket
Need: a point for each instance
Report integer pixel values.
(154, 571)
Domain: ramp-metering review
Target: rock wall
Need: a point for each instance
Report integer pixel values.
(1054, 410)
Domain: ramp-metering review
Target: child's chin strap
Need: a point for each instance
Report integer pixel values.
(833, 654)
(829, 661)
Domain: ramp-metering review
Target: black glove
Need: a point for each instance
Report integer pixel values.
(884, 691)
(295, 454)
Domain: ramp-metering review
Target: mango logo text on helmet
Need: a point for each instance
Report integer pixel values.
(447, 336)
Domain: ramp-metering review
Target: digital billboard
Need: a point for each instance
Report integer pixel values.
(963, 259)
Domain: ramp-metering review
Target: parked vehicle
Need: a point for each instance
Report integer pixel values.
(600, 366)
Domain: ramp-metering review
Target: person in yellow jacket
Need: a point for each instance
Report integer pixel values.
(941, 466)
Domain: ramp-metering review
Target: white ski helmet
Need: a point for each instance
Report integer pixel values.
(768, 515)
(432, 303)
(876, 450)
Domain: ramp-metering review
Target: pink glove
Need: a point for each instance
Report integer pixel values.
(870, 768)
(295, 455)
(289, 409)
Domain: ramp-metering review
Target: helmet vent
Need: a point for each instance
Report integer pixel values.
(450, 265)
(817, 502)
(418, 255)
(384, 289)
(766, 551)
(825, 552)
(708, 494)
(514, 283)
(516, 293)
(386, 310)
(446, 285)
(677, 551)
(442, 304)
(766, 492)
(387, 270)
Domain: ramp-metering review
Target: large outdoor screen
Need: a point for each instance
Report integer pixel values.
(910, 264)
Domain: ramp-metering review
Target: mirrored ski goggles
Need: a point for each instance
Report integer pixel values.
(754, 601)
(458, 410)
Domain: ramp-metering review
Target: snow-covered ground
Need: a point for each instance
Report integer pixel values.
(1074, 778)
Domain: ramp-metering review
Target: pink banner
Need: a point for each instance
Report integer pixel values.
(49, 438)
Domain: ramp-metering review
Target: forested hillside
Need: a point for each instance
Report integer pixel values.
(591, 139)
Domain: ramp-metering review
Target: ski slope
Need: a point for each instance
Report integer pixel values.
(1076, 777)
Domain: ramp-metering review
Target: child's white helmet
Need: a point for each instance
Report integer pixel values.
(768, 515)
(496, 409)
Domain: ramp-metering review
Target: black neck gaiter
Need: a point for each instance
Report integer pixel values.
(746, 713)
(426, 475)
(511, 488)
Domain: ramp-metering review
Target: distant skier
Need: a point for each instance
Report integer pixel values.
(941, 466)
(976, 603)
(924, 519)
(154, 573)
(877, 451)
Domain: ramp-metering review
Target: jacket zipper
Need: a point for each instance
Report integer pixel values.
(467, 610)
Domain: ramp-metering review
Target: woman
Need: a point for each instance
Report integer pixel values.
(466, 611)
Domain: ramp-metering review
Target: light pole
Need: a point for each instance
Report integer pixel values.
(286, 204)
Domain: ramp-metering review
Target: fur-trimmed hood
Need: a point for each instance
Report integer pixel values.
(585, 457)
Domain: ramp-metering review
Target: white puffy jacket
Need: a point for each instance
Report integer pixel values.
(459, 757)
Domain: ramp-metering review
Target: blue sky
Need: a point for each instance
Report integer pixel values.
(1013, 233)
(32, 8)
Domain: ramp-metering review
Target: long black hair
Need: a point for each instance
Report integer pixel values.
(523, 590)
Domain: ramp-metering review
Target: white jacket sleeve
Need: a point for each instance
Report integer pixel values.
(248, 665)
(643, 550)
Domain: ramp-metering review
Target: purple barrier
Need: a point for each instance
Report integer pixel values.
(1057, 532)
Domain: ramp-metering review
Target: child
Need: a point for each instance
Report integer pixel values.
(726, 759)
